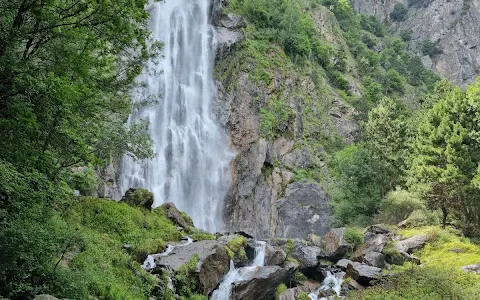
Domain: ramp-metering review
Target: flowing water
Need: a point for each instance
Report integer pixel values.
(331, 281)
(149, 262)
(224, 291)
(191, 168)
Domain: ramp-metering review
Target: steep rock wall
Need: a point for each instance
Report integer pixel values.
(454, 25)
(276, 151)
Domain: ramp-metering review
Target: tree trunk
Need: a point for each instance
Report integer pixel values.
(444, 217)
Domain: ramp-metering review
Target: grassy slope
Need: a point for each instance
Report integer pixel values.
(95, 263)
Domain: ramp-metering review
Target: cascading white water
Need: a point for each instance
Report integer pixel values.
(331, 281)
(224, 291)
(192, 164)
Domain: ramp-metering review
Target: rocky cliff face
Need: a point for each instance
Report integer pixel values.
(454, 25)
(275, 151)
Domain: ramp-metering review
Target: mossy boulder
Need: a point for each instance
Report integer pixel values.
(138, 198)
(176, 216)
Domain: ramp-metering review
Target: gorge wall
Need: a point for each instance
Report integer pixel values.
(453, 25)
(276, 117)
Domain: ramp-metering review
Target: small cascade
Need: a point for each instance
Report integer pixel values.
(331, 281)
(224, 291)
(149, 262)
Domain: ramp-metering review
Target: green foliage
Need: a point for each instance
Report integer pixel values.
(361, 182)
(303, 296)
(237, 243)
(201, 236)
(406, 35)
(446, 155)
(418, 283)
(280, 289)
(422, 217)
(397, 206)
(372, 25)
(299, 276)
(354, 236)
(399, 12)
(186, 283)
(430, 48)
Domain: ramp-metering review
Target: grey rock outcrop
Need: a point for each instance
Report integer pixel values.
(274, 256)
(261, 284)
(334, 244)
(362, 273)
(409, 245)
(454, 25)
(303, 210)
(307, 256)
(172, 213)
(293, 293)
(228, 28)
(213, 262)
(472, 268)
(138, 197)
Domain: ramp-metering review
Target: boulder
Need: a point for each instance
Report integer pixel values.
(472, 268)
(302, 211)
(228, 28)
(378, 229)
(351, 285)
(306, 286)
(139, 198)
(334, 244)
(260, 284)
(274, 256)
(343, 263)
(176, 216)
(374, 259)
(307, 256)
(45, 297)
(213, 262)
(370, 251)
(409, 245)
(362, 273)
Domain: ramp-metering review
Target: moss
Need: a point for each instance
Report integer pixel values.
(354, 236)
(229, 252)
(290, 246)
(299, 276)
(237, 243)
(280, 289)
(202, 236)
(392, 256)
(186, 217)
(303, 296)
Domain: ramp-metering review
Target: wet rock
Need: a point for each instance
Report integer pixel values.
(362, 273)
(304, 210)
(351, 285)
(176, 216)
(472, 268)
(261, 284)
(334, 244)
(228, 28)
(213, 262)
(138, 197)
(409, 245)
(306, 286)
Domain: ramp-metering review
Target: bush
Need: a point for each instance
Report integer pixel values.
(354, 236)
(422, 217)
(399, 12)
(397, 206)
(337, 79)
(430, 48)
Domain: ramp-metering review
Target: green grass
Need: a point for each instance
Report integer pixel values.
(99, 266)
(440, 275)
(280, 289)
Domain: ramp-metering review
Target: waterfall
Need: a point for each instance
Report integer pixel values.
(331, 281)
(224, 291)
(191, 168)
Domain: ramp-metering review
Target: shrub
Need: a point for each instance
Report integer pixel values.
(422, 217)
(397, 206)
(399, 12)
(354, 236)
(430, 48)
